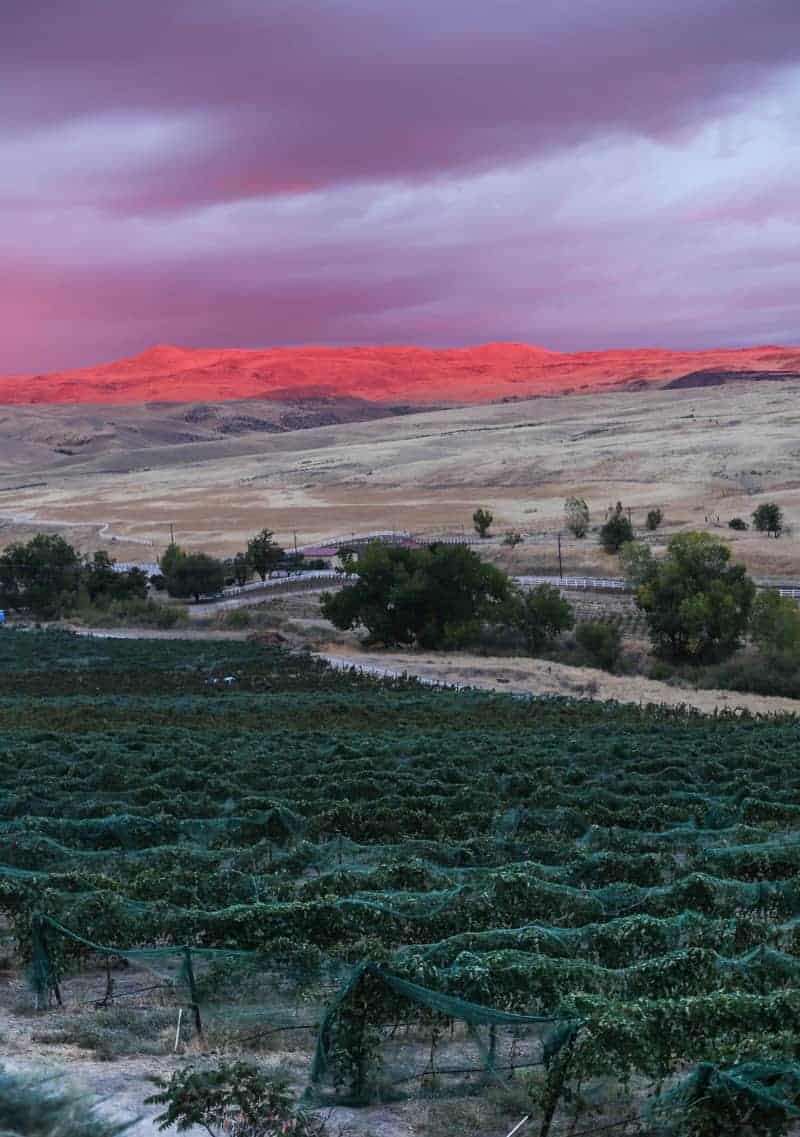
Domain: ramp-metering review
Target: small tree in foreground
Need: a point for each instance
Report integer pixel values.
(768, 519)
(41, 1107)
(654, 519)
(482, 520)
(232, 1100)
(576, 516)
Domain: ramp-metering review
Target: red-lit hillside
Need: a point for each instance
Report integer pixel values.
(383, 374)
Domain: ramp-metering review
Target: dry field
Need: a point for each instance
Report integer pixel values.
(698, 454)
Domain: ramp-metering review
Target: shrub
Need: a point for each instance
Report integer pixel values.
(738, 523)
(232, 1098)
(601, 642)
(238, 618)
(41, 1107)
(512, 538)
(654, 519)
(775, 625)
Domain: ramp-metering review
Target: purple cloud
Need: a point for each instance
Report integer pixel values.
(260, 172)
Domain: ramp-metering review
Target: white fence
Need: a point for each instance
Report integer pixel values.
(579, 583)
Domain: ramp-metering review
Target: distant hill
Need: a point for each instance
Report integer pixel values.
(394, 375)
(711, 377)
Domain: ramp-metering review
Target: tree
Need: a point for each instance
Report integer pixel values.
(512, 538)
(482, 520)
(696, 603)
(576, 515)
(42, 576)
(775, 625)
(737, 523)
(654, 519)
(433, 597)
(240, 568)
(541, 614)
(41, 1106)
(104, 583)
(195, 574)
(601, 641)
(617, 531)
(636, 562)
(170, 559)
(768, 519)
(263, 554)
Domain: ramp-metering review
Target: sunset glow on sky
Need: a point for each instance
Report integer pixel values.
(574, 173)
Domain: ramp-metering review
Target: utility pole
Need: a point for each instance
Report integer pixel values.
(294, 532)
(560, 565)
(171, 534)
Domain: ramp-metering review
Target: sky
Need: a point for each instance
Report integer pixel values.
(578, 174)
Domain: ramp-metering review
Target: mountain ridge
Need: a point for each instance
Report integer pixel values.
(483, 373)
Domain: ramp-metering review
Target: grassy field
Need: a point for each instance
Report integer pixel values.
(238, 829)
(698, 454)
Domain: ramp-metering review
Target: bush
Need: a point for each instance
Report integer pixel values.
(232, 1098)
(512, 538)
(41, 1107)
(238, 618)
(775, 625)
(601, 642)
(134, 613)
(654, 519)
(738, 523)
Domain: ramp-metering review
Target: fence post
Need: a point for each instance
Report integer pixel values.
(195, 1005)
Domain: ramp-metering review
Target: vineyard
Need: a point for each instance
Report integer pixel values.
(419, 892)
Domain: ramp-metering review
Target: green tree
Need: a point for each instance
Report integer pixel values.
(737, 523)
(768, 519)
(105, 584)
(696, 603)
(482, 521)
(654, 519)
(637, 562)
(240, 568)
(775, 625)
(170, 559)
(512, 538)
(601, 641)
(263, 553)
(541, 614)
(616, 532)
(434, 597)
(576, 515)
(42, 576)
(195, 574)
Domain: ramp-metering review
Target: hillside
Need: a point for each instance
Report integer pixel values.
(490, 372)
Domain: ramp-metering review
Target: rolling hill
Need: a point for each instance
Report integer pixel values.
(420, 376)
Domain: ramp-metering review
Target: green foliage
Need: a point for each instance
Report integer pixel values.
(696, 603)
(576, 515)
(238, 618)
(195, 574)
(232, 1098)
(482, 521)
(616, 532)
(42, 576)
(239, 568)
(738, 523)
(654, 519)
(171, 559)
(264, 553)
(41, 1107)
(541, 614)
(768, 518)
(637, 563)
(775, 625)
(433, 597)
(601, 641)
(512, 538)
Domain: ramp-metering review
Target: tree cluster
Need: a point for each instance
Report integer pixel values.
(47, 577)
(440, 597)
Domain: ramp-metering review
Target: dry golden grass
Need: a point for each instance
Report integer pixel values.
(698, 454)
